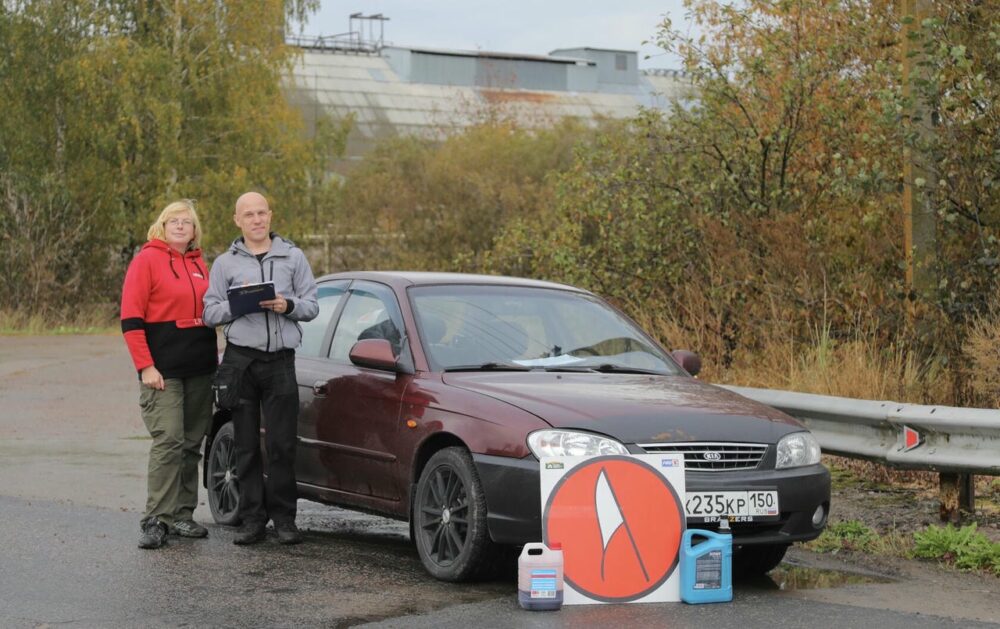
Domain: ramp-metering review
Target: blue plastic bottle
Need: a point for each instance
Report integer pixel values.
(707, 567)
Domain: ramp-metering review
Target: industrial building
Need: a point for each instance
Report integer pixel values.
(392, 90)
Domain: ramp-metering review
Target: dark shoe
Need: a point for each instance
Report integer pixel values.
(188, 528)
(250, 533)
(288, 533)
(153, 534)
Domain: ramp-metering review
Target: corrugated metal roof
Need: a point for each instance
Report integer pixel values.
(383, 103)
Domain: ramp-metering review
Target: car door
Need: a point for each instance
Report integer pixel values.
(357, 422)
(312, 368)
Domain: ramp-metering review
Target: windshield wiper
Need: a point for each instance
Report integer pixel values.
(489, 367)
(612, 368)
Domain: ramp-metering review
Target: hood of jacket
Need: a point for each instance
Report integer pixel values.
(157, 244)
(286, 266)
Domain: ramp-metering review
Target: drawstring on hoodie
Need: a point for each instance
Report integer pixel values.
(200, 270)
(172, 270)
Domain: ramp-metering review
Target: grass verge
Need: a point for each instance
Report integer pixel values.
(87, 319)
(853, 535)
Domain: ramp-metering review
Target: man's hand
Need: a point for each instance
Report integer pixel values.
(279, 304)
(151, 378)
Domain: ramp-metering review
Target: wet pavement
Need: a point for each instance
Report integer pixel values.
(72, 470)
(80, 567)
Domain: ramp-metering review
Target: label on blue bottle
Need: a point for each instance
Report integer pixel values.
(543, 584)
(708, 571)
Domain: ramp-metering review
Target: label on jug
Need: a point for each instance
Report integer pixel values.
(543, 584)
(708, 571)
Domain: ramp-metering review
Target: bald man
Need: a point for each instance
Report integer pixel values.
(260, 347)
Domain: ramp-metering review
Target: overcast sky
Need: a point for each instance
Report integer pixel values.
(532, 27)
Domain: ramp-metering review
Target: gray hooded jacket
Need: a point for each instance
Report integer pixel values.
(287, 267)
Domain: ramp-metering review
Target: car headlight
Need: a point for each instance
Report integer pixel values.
(571, 443)
(797, 449)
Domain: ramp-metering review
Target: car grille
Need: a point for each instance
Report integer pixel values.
(712, 457)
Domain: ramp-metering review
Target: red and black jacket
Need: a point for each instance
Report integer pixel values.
(161, 312)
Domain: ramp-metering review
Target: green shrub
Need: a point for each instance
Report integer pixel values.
(849, 535)
(966, 547)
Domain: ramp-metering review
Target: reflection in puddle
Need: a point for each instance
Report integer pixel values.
(791, 577)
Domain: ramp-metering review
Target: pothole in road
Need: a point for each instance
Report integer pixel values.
(794, 577)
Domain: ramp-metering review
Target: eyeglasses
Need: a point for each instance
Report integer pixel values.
(174, 222)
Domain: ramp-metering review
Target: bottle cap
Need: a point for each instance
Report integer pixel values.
(555, 545)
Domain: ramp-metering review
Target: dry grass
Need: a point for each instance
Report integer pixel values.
(90, 319)
(860, 366)
(854, 368)
(982, 347)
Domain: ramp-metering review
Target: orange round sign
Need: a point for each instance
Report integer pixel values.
(620, 524)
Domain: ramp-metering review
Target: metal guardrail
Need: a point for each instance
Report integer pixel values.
(955, 442)
(907, 436)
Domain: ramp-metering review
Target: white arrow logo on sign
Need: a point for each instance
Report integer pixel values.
(610, 519)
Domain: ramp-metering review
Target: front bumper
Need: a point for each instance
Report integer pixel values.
(514, 500)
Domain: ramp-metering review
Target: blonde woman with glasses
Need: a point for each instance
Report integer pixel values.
(175, 358)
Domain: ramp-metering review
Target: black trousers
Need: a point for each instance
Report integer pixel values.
(268, 385)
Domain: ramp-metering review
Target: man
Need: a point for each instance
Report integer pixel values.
(262, 345)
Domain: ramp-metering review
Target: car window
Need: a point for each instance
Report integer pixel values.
(463, 325)
(371, 312)
(329, 295)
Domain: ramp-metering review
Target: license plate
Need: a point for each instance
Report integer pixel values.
(737, 506)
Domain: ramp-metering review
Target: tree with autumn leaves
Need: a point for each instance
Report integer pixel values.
(111, 109)
(767, 209)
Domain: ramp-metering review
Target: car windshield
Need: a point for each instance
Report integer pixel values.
(514, 327)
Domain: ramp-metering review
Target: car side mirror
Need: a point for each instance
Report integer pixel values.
(689, 361)
(375, 354)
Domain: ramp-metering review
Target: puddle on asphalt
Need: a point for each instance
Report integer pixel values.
(791, 577)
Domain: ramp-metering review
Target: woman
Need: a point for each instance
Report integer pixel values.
(175, 356)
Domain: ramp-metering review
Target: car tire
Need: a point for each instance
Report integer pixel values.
(449, 519)
(222, 484)
(757, 559)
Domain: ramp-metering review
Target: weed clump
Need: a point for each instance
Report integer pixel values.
(966, 548)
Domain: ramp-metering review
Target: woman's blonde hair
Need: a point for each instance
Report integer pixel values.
(157, 229)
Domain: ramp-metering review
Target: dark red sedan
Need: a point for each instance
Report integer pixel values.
(431, 397)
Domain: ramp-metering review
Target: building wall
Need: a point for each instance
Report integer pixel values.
(403, 91)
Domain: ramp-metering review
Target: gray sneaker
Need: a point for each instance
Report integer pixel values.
(153, 534)
(188, 528)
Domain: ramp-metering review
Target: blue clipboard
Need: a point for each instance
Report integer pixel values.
(246, 299)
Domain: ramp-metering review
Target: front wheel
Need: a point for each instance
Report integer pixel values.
(758, 559)
(449, 519)
(223, 486)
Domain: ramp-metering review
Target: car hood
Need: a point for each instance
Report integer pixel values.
(633, 408)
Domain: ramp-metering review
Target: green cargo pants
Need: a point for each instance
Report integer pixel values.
(177, 418)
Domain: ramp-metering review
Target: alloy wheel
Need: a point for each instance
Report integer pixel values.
(444, 513)
(223, 485)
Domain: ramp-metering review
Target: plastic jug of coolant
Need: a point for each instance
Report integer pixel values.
(707, 567)
(540, 577)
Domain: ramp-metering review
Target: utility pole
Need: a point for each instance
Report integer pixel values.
(957, 491)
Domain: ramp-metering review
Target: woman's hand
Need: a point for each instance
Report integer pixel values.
(151, 378)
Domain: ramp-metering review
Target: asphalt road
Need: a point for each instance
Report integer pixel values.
(72, 461)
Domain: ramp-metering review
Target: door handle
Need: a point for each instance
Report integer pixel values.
(319, 388)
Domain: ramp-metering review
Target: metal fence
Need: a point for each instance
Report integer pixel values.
(956, 442)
